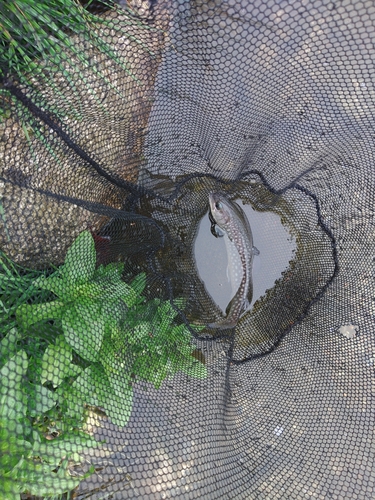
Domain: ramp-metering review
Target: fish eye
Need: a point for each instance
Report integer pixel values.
(218, 205)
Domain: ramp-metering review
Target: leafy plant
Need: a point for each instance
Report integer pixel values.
(28, 461)
(82, 338)
(117, 335)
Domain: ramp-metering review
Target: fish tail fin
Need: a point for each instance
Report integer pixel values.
(223, 324)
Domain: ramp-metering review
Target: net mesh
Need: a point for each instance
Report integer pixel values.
(112, 385)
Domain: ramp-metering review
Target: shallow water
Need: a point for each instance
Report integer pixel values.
(276, 249)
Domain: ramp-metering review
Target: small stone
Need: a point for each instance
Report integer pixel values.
(349, 331)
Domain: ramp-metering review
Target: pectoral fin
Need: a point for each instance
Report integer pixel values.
(255, 251)
(216, 231)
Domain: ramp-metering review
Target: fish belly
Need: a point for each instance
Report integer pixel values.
(234, 267)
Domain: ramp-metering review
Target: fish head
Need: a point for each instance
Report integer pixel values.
(220, 208)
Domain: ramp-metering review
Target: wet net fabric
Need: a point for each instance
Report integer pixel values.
(268, 102)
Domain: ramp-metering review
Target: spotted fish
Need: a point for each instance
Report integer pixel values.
(232, 220)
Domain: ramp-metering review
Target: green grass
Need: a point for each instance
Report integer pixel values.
(16, 288)
(42, 29)
(36, 41)
(31, 30)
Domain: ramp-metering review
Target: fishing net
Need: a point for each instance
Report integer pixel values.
(112, 385)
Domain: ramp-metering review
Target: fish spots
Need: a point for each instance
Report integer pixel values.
(233, 221)
(219, 266)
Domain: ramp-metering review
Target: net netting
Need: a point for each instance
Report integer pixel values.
(112, 384)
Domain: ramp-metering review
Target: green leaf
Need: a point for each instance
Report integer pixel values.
(113, 287)
(84, 327)
(12, 447)
(72, 401)
(13, 402)
(139, 283)
(74, 370)
(57, 449)
(54, 284)
(80, 260)
(114, 312)
(115, 358)
(115, 395)
(152, 368)
(40, 480)
(40, 400)
(91, 383)
(145, 312)
(56, 362)
(119, 406)
(89, 290)
(141, 331)
(10, 489)
(180, 336)
(121, 290)
(111, 272)
(28, 314)
(166, 314)
(8, 345)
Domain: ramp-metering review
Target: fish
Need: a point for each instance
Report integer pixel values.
(232, 222)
